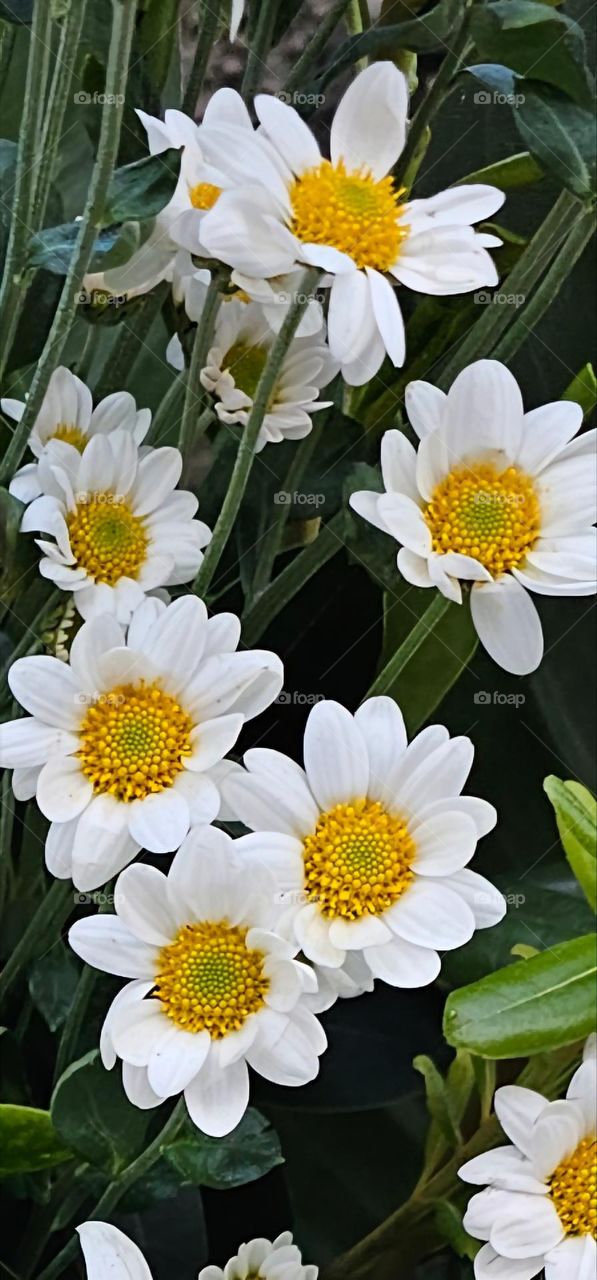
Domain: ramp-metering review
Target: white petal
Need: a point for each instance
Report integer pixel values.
(504, 1167)
(159, 822)
(218, 1097)
(388, 316)
(109, 1253)
(336, 759)
(431, 915)
(486, 902)
(404, 520)
(284, 127)
(517, 1109)
(399, 464)
(545, 432)
(381, 724)
(402, 964)
(532, 1226)
(26, 743)
(105, 943)
(175, 1061)
(47, 689)
(141, 903)
(463, 205)
(508, 624)
(290, 1059)
(556, 1135)
(313, 934)
(425, 406)
(414, 568)
(574, 1259)
(353, 935)
(158, 474)
(63, 791)
(369, 125)
(490, 1266)
(212, 740)
(484, 411)
(444, 843)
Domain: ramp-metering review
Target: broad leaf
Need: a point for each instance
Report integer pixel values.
(514, 171)
(561, 136)
(576, 816)
(52, 249)
(583, 390)
(529, 1007)
(421, 35)
(28, 1141)
(249, 1152)
(93, 1116)
(52, 984)
(140, 190)
(534, 40)
(444, 654)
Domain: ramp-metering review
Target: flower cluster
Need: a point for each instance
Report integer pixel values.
(107, 1251)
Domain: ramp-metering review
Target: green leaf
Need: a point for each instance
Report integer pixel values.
(576, 816)
(249, 1152)
(560, 135)
(156, 37)
(448, 1220)
(544, 1003)
(93, 1116)
(583, 390)
(52, 249)
(534, 40)
(516, 171)
(28, 1141)
(52, 984)
(16, 553)
(446, 1106)
(437, 663)
(438, 1100)
(18, 11)
(140, 190)
(421, 35)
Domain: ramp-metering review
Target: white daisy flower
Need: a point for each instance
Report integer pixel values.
(242, 341)
(67, 416)
(108, 1252)
(121, 740)
(120, 526)
(286, 203)
(492, 496)
(199, 186)
(214, 987)
(373, 840)
(540, 1208)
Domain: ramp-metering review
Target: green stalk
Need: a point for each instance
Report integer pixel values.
(549, 287)
(14, 280)
(167, 411)
(116, 77)
(31, 641)
(250, 433)
(315, 46)
(286, 585)
(127, 346)
(60, 91)
(116, 1190)
(270, 546)
(194, 393)
(406, 651)
(76, 1014)
(210, 13)
(7, 820)
(435, 97)
(53, 910)
(260, 46)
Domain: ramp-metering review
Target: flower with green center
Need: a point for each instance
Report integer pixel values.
(242, 342)
(540, 1207)
(67, 422)
(215, 987)
(123, 741)
(496, 498)
(108, 1252)
(373, 839)
(120, 527)
(288, 204)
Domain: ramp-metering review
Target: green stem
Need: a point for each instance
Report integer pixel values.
(436, 95)
(7, 819)
(167, 411)
(484, 335)
(210, 12)
(60, 91)
(76, 1014)
(549, 287)
(260, 46)
(315, 46)
(287, 583)
(127, 346)
(53, 910)
(406, 651)
(31, 640)
(194, 393)
(270, 545)
(116, 1190)
(14, 280)
(116, 77)
(250, 434)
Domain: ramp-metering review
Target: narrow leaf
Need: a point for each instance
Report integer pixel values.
(576, 816)
(28, 1141)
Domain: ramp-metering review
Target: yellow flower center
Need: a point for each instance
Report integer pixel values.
(358, 860)
(204, 195)
(208, 979)
(352, 212)
(486, 513)
(133, 741)
(573, 1190)
(246, 365)
(70, 435)
(106, 538)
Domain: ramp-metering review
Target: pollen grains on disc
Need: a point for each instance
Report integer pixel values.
(204, 195)
(358, 860)
(573, 1190)
(133, 741)
(106, 538)
(350, 211)
(70, 435)
(208, 979)
(491, 515)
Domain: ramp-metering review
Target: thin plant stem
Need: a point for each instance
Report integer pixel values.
(167, 411)
(7, 820)
(250, 434)
(287, 583)
(260, 46)
(315, 46)
(126, 348)
(116, 77)
(14, 279)
(53, 910)
(436, 95)
(270, 546)
(406, 651)
(60, 89)
(194, 393)
(116, 1190)
(76, 1014)
(210, 13)
(31, 640)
